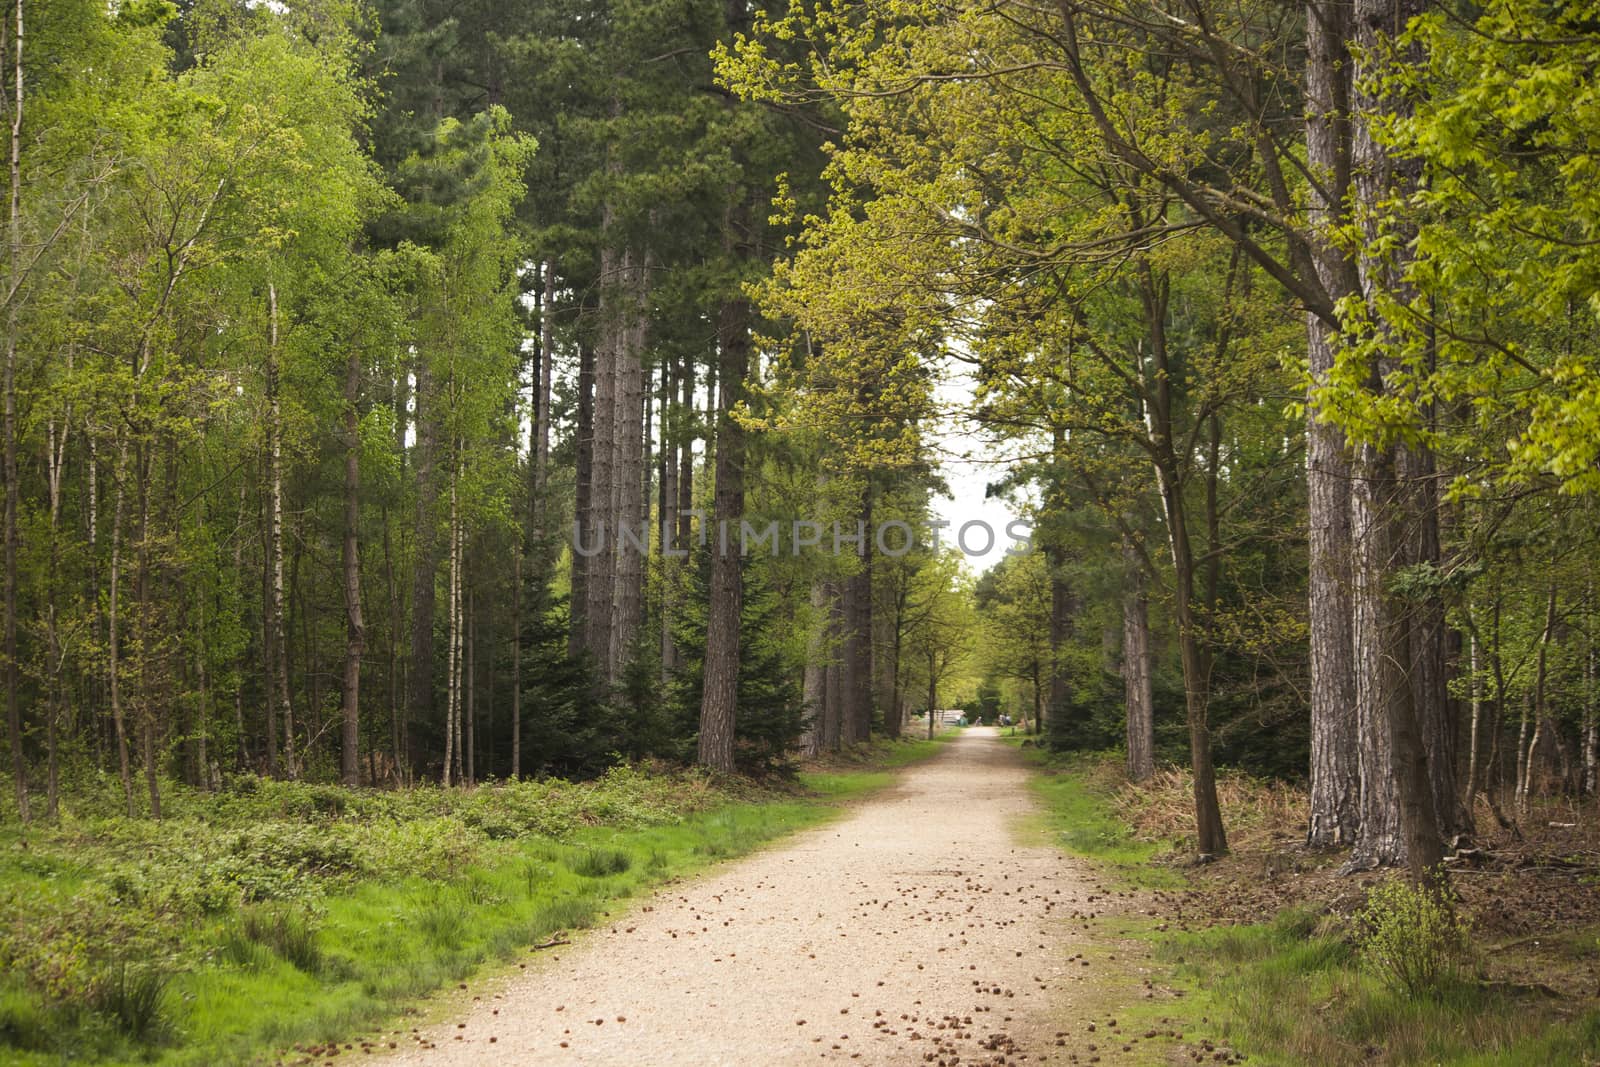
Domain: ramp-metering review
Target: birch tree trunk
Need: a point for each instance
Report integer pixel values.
(424, 597)
(275, 600)
(8, 391)
(452, 730)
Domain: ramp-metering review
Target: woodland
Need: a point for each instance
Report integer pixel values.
(382, 378)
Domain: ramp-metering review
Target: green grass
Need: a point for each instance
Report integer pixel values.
(1080, 818)
(1288, 994)
(211, 983)
(1293, 991)
(878, 760)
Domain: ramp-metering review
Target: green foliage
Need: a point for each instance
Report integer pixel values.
(771, 713)
(1413, 937)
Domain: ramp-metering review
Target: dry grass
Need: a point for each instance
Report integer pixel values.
(1259, 814)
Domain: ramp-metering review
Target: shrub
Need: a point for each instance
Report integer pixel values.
(133, 998)
(600, 862)
(1411, 937)
(443, 918)
(290, 932)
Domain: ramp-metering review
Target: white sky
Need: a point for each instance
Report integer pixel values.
(968, 464)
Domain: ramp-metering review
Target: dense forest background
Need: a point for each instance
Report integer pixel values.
(380, 381)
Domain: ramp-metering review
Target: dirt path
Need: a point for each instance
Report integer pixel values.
(915, 925)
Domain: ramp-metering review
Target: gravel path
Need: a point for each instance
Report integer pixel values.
(914, 925)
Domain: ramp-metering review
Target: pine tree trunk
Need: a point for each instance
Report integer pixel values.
(600, 569)
(814, 681)
(858, 647)
(1136, 675)
(583, 522)
(355, 628)
(833, 684)
(1384, 508)
(667, 525)
(1335, 766)
(516, 670)
(686, 459)
(1379, 843)
(725, 600)
(629, 469)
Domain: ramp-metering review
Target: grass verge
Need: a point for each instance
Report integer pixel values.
(1292, 990)
(290, 920)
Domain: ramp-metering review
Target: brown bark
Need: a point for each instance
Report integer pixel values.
(1210, 837)
(600, 573)
(1136, 675)
(814, 681)
(1335, 769)
(1385, 624)
(583, 523)
(858, 639)
(725, 598)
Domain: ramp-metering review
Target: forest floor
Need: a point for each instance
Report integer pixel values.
(919, 928)
(1258, 956)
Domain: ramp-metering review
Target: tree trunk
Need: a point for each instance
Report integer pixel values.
(1591, 709)
(452, 716)
(600, 569)
(145, 640)
(1210, 837)
(113, 624)
(279, 666)
(8, 390)
(667, 526)
(583, 523)
(629, 469)
(469, 703)
(420, 680)
(1136, 674)
(725, 600)
(1471, 789)
(543, 376)
(355, 645)
(1384, 623)
(815, 677)
(858, 640)
(1335, 767)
